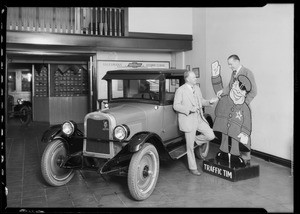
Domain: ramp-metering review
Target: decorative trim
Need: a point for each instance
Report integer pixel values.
(272, 158)
(188, 67)
(160, 36)
(197, 72)
(53, 41)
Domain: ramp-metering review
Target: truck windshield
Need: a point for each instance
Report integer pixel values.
(147, 89)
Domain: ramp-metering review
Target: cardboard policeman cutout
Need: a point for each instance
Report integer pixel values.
(232, 118)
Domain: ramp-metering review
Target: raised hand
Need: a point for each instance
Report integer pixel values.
(215, 69)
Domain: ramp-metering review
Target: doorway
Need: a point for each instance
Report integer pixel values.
(19, 93)
(58, 86)
(19, 81)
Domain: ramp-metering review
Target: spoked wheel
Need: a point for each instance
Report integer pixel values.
(143, 172)
(202, 151)
(25, 115)
(52, 157)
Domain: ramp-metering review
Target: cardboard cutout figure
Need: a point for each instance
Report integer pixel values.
(233, 118)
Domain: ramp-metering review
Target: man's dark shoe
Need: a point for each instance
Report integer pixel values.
(195, 172)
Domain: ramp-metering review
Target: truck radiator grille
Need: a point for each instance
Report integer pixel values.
(97, 129)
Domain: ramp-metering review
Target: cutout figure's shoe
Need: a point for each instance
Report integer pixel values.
(222, 157)
(237, 161)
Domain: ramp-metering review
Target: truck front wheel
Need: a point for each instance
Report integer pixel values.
(53, 155)
(143, 172)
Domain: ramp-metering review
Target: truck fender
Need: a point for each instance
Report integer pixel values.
(51, 133)
(139, 139)
(55, 132)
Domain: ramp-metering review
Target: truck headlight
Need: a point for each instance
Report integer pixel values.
(68, 128)
(121, 132)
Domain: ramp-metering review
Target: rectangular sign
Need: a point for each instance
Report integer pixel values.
(218, 170)
(231, 174)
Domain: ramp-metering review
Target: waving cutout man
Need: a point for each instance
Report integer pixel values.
(233, 114)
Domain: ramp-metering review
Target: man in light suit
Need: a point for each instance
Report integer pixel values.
(188, 102)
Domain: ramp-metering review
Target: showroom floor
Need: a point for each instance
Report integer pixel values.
(176, 187)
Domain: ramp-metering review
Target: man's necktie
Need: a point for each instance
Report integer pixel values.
(234, 75)
(196, 98)
(193, 89)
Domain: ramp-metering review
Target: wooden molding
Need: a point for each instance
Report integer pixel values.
(16, 40)
(272, 158)
(160, 36)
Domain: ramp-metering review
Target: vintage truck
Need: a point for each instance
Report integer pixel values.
(135, 130)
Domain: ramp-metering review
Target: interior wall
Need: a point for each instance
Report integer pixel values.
(171, 20)
(196, 58)
(263, 39)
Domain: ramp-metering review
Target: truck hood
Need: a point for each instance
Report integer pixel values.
(129, 113)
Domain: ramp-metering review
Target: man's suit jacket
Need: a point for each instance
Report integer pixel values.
(249, 74)
(183, 102)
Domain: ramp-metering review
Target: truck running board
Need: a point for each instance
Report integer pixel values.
(180, 151)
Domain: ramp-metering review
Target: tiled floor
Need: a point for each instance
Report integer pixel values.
(176, 187)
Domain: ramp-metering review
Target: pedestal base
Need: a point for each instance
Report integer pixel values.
(232, 174)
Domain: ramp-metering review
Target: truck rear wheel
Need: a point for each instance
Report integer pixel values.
(143, 172)
(52, 157)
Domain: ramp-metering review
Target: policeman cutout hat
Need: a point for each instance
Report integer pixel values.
(244, 83)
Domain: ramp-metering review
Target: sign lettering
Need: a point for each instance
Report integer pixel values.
(217, 170)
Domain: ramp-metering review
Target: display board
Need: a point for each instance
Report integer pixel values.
(40, 80)
(69, 80)
(60, 92)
